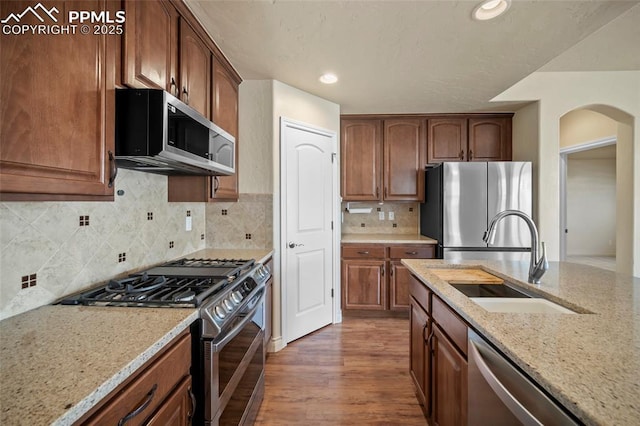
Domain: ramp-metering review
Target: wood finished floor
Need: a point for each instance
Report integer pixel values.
(354, 373)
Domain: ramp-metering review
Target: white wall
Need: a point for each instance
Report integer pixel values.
(591, 207)
(615, 94)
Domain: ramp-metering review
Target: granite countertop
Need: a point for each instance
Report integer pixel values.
(57, 362)
(591, 361)
(387, 239)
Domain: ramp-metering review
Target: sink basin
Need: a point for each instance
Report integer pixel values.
(520, 305)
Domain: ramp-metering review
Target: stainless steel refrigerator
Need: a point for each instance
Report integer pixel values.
(462, 198)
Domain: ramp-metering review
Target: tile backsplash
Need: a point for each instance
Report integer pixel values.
(52, 249)
(247, 224)
(406, 218)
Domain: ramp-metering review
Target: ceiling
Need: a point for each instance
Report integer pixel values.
(418, 56)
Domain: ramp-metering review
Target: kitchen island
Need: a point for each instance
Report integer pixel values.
(58, 362)
(590, 362)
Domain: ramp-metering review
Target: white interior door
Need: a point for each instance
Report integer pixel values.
(307, 240)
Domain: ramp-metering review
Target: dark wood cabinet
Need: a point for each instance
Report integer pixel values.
(178, 408)
(195, 70)
(383, 159)
(420, 359)
(364, 285)
(489, 139)
(373, 277)
(225, 115)
(404, 160)
(469, 138)
(150, 48)
(57, 110)
(268, 305)
(449, 382)
(438, 363)
(361, 158)
(447, 139)
(159, 393)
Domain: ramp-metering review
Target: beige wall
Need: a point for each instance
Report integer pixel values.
(615, 94)
(525, 135)
(591, 207)
(262, 104)
(582, 126)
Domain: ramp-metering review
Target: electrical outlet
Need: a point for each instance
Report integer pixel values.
(187, 224)
(392, 216)
(381, 215)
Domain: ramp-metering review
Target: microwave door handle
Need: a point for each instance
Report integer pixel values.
(500, 390)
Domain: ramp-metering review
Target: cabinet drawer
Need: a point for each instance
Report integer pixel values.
(363, 252)
(449, 321)
(149, 389)
(420, 293)
(412, 252)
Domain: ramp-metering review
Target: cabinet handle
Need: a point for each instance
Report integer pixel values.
(186, 94)
(426, 324)
(429, 340)
(385, 192)
(363, 252)
(141, 408)
(461, 155)
(174, 87)
(382, 269)
(470, 155)
(114, 169)
(391, 271)
(411, 253)
(216, 184)
(377, 192)
(193, 405)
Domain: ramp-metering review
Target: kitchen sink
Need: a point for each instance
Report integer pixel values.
(521, 305)
(487, 290)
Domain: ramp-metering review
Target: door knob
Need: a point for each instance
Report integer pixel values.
(294, 245)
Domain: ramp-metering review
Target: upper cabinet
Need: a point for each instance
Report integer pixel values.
(150, 49)
(404, 160)
(382, 159)
(469, 138)
(57, 110)
(195, 70)
(361, 158)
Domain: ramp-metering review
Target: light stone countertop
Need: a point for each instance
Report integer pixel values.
(387, 239)
(588, 362)
(57, 362)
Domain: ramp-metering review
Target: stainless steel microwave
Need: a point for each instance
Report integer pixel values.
(158, 133)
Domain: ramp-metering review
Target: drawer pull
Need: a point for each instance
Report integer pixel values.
(141, 408)
(193, 405)
(411, 253)
(363, 252)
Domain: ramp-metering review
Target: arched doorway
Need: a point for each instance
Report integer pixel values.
(596, 181)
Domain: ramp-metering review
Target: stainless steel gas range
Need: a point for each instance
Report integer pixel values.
(228, 339)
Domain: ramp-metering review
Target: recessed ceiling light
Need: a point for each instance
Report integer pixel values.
(490, 9)
(328, 78)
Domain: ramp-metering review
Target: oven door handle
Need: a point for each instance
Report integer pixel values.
(217, 346)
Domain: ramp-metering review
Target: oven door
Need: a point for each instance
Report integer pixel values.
(234, 368)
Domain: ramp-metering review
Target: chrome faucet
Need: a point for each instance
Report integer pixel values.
(537, 267)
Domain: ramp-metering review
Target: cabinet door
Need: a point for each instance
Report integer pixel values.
(363, 284)
(449, 382)
(446, 140)
(225, 115)
(195, 70)
(404, 162)
(57, 109)
(177, 409)
(399, 279)
(361, 160)
(489, 139)
(151, 45)
(420, 355)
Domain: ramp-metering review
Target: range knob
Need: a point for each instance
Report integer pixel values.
(219, 312)
(236, 296)
(228, 305)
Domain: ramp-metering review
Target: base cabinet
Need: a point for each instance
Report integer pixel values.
(373, 278)
(438, 357)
